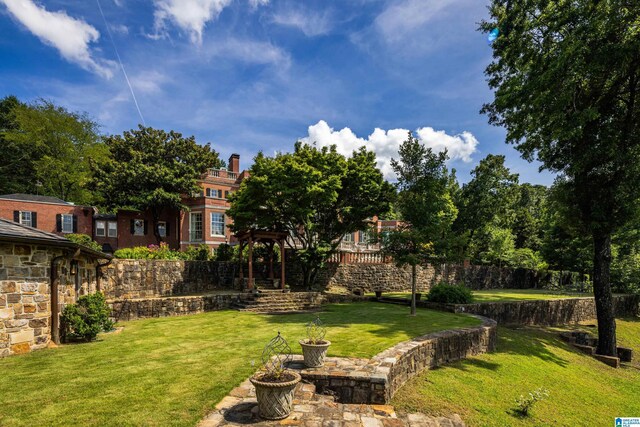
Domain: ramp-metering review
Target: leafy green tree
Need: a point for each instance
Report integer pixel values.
(316, 195)
(502, 244)
(487, 200)
(566, 79)
(150, 169)
(49, 149)
(426, 206)
(530, 215)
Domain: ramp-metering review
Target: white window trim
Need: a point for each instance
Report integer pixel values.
(224, 223)
(24, 222)
(191, 231)
(62, 217)
(135, 227)
(165, 228)
(104, 228)
(115, 228)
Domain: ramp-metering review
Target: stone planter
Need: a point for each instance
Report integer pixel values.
(275, 400)
(314, 354)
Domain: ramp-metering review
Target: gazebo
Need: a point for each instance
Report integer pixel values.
(270, 238)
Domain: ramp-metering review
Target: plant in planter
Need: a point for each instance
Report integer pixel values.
(275, 384)
(314, 348)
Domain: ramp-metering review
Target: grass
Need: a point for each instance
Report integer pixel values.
(496, 295)
(172, 371)
(482, 389)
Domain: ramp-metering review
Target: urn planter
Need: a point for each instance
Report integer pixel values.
(314, 354)
(275, 398)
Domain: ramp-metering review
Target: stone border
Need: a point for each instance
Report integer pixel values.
(144, 308)
(377, 379)
(541, 312)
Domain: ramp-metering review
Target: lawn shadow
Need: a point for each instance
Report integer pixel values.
(465, 365)
(531, 342)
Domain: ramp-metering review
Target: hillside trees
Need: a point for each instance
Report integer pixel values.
(566, 77)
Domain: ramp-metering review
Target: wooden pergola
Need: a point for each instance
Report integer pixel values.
(270, 238)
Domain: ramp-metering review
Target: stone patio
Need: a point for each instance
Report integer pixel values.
(311, 409)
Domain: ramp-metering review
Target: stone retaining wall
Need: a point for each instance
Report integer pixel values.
(536, 312)
(143, 278)
(549, 312)
(155, 278)
(376, 380)
(132, 309)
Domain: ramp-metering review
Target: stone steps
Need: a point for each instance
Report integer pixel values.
(279, 302)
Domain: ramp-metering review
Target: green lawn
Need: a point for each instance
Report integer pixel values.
(482, 389)
(172, 371)
(495, 295)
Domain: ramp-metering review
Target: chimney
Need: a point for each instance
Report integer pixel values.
(234, 163)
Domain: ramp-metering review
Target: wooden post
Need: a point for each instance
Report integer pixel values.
(250, 263)
(240, 260)
(270, 246)
(282, 262)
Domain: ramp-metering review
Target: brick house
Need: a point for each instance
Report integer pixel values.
(129, 228)
(41, 273)
(206, 221)
(47, 213)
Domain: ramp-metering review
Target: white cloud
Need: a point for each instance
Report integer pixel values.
(250, 51)
(402, 18)
(386, 143)
(70, 36)
(310, 23)
(190, 15)
(119, 29)
(256, 3)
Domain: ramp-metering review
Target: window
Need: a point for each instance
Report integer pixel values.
(217, 224)
(363, 237)
(348, 238)
(195, 228)
(113, 228)
(26, 218)
(100, 228)
(162, 228)
(67, 223)
(138, 227)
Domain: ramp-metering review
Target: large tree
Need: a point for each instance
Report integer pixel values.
(315, 194)
(47, 150)
(485, 203)
(150, 169)
(426, 205)
(565, 75)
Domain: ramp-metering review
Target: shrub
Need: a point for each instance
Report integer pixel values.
(86, 318)
(450, 294)
(225, 252)
(149, 252)
(197, 253)
(524, 404)
(84, 240)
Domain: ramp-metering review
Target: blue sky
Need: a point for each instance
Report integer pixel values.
(250, 75)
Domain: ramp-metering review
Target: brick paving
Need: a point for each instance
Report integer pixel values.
(311, 409)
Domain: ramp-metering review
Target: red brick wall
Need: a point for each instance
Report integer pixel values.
(46, 214)
(127, 240)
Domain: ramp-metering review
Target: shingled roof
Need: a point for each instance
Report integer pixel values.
(34, 198)
(13, 232)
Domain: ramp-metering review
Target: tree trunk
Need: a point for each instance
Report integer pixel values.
(602, 293)
(414, 279)
(156, 218)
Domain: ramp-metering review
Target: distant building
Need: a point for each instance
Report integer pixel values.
(206, 222)
(47, 213)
